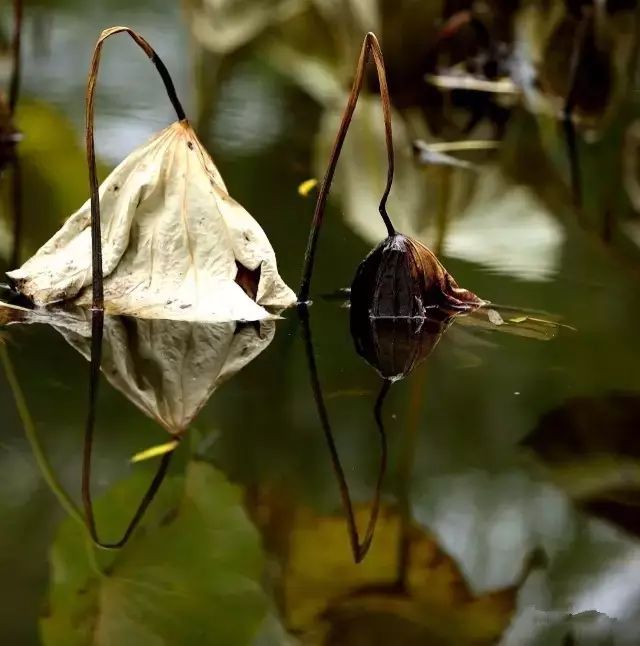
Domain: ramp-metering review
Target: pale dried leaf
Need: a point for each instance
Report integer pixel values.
(171, 237)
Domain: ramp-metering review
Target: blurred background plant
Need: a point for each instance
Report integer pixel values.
(509, 483)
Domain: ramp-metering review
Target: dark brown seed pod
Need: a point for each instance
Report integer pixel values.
(402, 278)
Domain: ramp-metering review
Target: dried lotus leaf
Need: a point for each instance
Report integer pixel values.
(171, 240)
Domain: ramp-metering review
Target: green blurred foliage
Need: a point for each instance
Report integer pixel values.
(189, 575)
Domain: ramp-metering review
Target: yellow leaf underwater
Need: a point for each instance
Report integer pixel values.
(173, 242)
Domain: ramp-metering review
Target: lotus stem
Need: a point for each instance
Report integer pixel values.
(97, 309)
(370, 49)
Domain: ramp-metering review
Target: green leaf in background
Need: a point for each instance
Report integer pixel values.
(54, 173)
(190, 574)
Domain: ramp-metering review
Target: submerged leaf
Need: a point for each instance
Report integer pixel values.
(173, 240)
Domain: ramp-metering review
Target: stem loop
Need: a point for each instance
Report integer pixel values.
(97, 305)
(370, 49)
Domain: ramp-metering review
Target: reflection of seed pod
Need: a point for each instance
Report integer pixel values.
(402, 278)
(395, 346)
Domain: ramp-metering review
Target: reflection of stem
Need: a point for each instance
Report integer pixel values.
(97, 325)
(16, 202)
(14, 83)
(34, 441)
(370, 47)
(359, 549)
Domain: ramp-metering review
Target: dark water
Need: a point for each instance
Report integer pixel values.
(510, 501)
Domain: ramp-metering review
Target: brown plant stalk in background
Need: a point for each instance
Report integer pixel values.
(359, 548)
(14, 82)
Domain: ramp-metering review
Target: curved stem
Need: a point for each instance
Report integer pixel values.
(96, 240)
(34, 441)
(14, 83)
(358, 548)
(370, 48)
(97, 309)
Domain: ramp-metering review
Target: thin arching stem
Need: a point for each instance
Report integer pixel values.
(358, 548)
(97, 309)
(96, 241)
(370, 49)
(14, 83)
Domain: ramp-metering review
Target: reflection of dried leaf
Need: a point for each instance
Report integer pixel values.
(171, 239)
(168, 369)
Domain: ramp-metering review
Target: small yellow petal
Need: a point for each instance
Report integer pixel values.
(518, 319)
(155, 451)
(307, 186)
